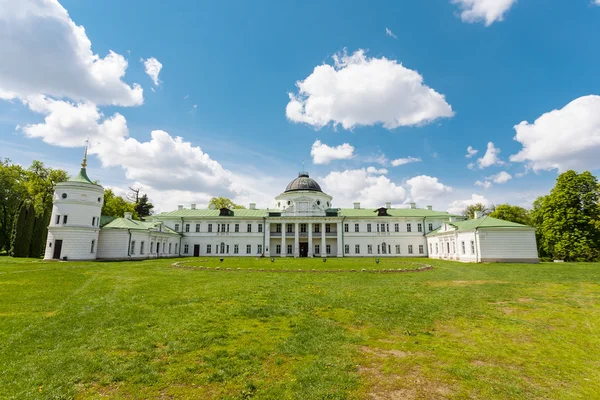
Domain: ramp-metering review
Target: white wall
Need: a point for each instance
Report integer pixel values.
(508, 244)
(76, 245)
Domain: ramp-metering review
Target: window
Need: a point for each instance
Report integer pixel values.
(93, 223)
(408, 228)
(260, 229)
(382, 227)
(209, 229)
(278, 228)
(278, 249)
(208, 248)
(303, 228)
(419, 227)
(378, 249)
(410, 250)
(346, 228)
(430, 227)
(169, 248)
(248, 249)
(65, 217)
(93, 244)
(197, 227)
(289, 228)
(64, 196)
(383, 248)
(430, 248)
(453, 248)
(175, 248)
(462, 245)
(236, 249)
(370, 249)
(346, 249)
(368, 227)
(397, 249)
(141, 248)
(436, 249)
(317, 249)
(327, 228)
(57, 219)
(387, 228)
(236, 228)
(377, 225)
(472, 247)
(355, 227)
(164, 247)
(151, 247)
(328, 249)
(421, 249)
(259, 248)
(448, 247)
(396, 227)
(357, 248)
(187, 227)
(317, 228)
(176, 227)
(249, 227)
(222, 227)
(289, 249)
(132, 248)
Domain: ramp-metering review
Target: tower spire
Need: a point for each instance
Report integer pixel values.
(84, 163)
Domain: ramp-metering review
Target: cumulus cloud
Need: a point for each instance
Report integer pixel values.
(563, 139)
(44, 52)
(425, 187)
(484, 184)
(487, 11)
(324, 154)
(471, 165)
(389, 32)
(152, 67)
(471, 152)
(490, 157)
(362, 91)
(501, 177)
(403, 161)
(457, 206)
(380, 171)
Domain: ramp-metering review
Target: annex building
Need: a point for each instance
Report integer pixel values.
(304, 223)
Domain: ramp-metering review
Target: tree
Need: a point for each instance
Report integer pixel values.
(143, 207)
(512, 213)
(224, 202)
(568, 219)
(470, 210)
(12, 193)
(40, 234)
(116, 206)
(22, 230)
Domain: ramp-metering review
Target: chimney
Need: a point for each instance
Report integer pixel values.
(356, 205)
(477, 214)
(430, 207)
(252, 206)
(388, 205)
(180, 207)
(193, 206)
(127, 215)
(413, 205)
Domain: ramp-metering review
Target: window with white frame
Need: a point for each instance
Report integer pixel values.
(57, 219)
(430, 227)
(419, 227)
(410, 249)
(317, 249)
(368, 227)
(346, 228)
(396, 227)
(328, 248)
(302, 228)
(290, 228)
(236, 249)
(176, 227)
(472, 247)
(421, 249)
(164, 247)
(236, 228)
(208, 249)
(248, 249)
(370, 249)
(94, 244)
(378, 249)
(187, 227)
(327, 228)
(142, 247)
(132, 248)
(430, 248)
(462, 245)
(356, 227)
(278, 249)
(357, 248)
(346, 249)
(397, 249)
(151, 247)
(93, 221)
(289, 249)
(453, 247)
(249, 227)
(260, 229)
(65, 217)
(408, 228)
(197, 227)
(175, 248)
(209, 228)
(437, 250)
(170, 247)
(259, 249)
(317, 228)
(278, 228)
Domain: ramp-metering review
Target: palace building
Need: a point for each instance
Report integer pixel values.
(304, 223)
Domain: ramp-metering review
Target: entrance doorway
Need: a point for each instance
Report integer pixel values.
(57, 249)
(196, 250)
(303, 249)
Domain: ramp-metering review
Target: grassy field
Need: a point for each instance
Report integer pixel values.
(148, 330)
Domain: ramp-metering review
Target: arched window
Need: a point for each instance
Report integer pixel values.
(222, 247)
(383, 248)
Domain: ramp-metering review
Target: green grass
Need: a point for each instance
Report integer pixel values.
(147, 330)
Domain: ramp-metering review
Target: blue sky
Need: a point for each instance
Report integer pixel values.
(228, 69)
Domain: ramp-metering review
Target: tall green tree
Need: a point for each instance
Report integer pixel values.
(40, 233)
(568, 219)
(469, 211)
(117, 206)
(224, 202)
(13, 191)
(22, 230)
(512, 213)
(143, 207)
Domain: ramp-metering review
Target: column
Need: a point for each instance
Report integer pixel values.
(310, 243)
(283, 248)
(340, 251)
(296, 240)
(267, 245)
(323, 244)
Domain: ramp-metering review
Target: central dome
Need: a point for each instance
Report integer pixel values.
(303, 182)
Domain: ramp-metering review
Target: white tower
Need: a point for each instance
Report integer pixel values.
(75, 223)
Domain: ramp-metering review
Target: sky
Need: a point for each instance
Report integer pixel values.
(439, 102)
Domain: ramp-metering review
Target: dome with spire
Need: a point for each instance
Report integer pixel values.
(303, 182)
(82, 176)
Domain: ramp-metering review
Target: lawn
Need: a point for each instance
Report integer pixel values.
(148, 330)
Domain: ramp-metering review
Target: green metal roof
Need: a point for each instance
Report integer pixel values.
(105, 219)
(125, 223)
(187, 213)
(395, 212)
(483, 222)
(82, 177)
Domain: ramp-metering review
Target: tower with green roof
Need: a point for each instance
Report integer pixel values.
(75, 222)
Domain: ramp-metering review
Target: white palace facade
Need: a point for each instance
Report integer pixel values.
(304, 223)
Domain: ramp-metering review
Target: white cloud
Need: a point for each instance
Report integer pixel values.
(359, 185)
(425, 187)
(402, 161)
(457, 206)
(471, 165)
(152, 67)
(484, 184)
(471, 152)
(389, 33)
(358, 90)
(490, 158)
(563, 139)
(501, 177)
(44, 52)
(375, 171)
(487, 11)
(596, 2)
(324, 154)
